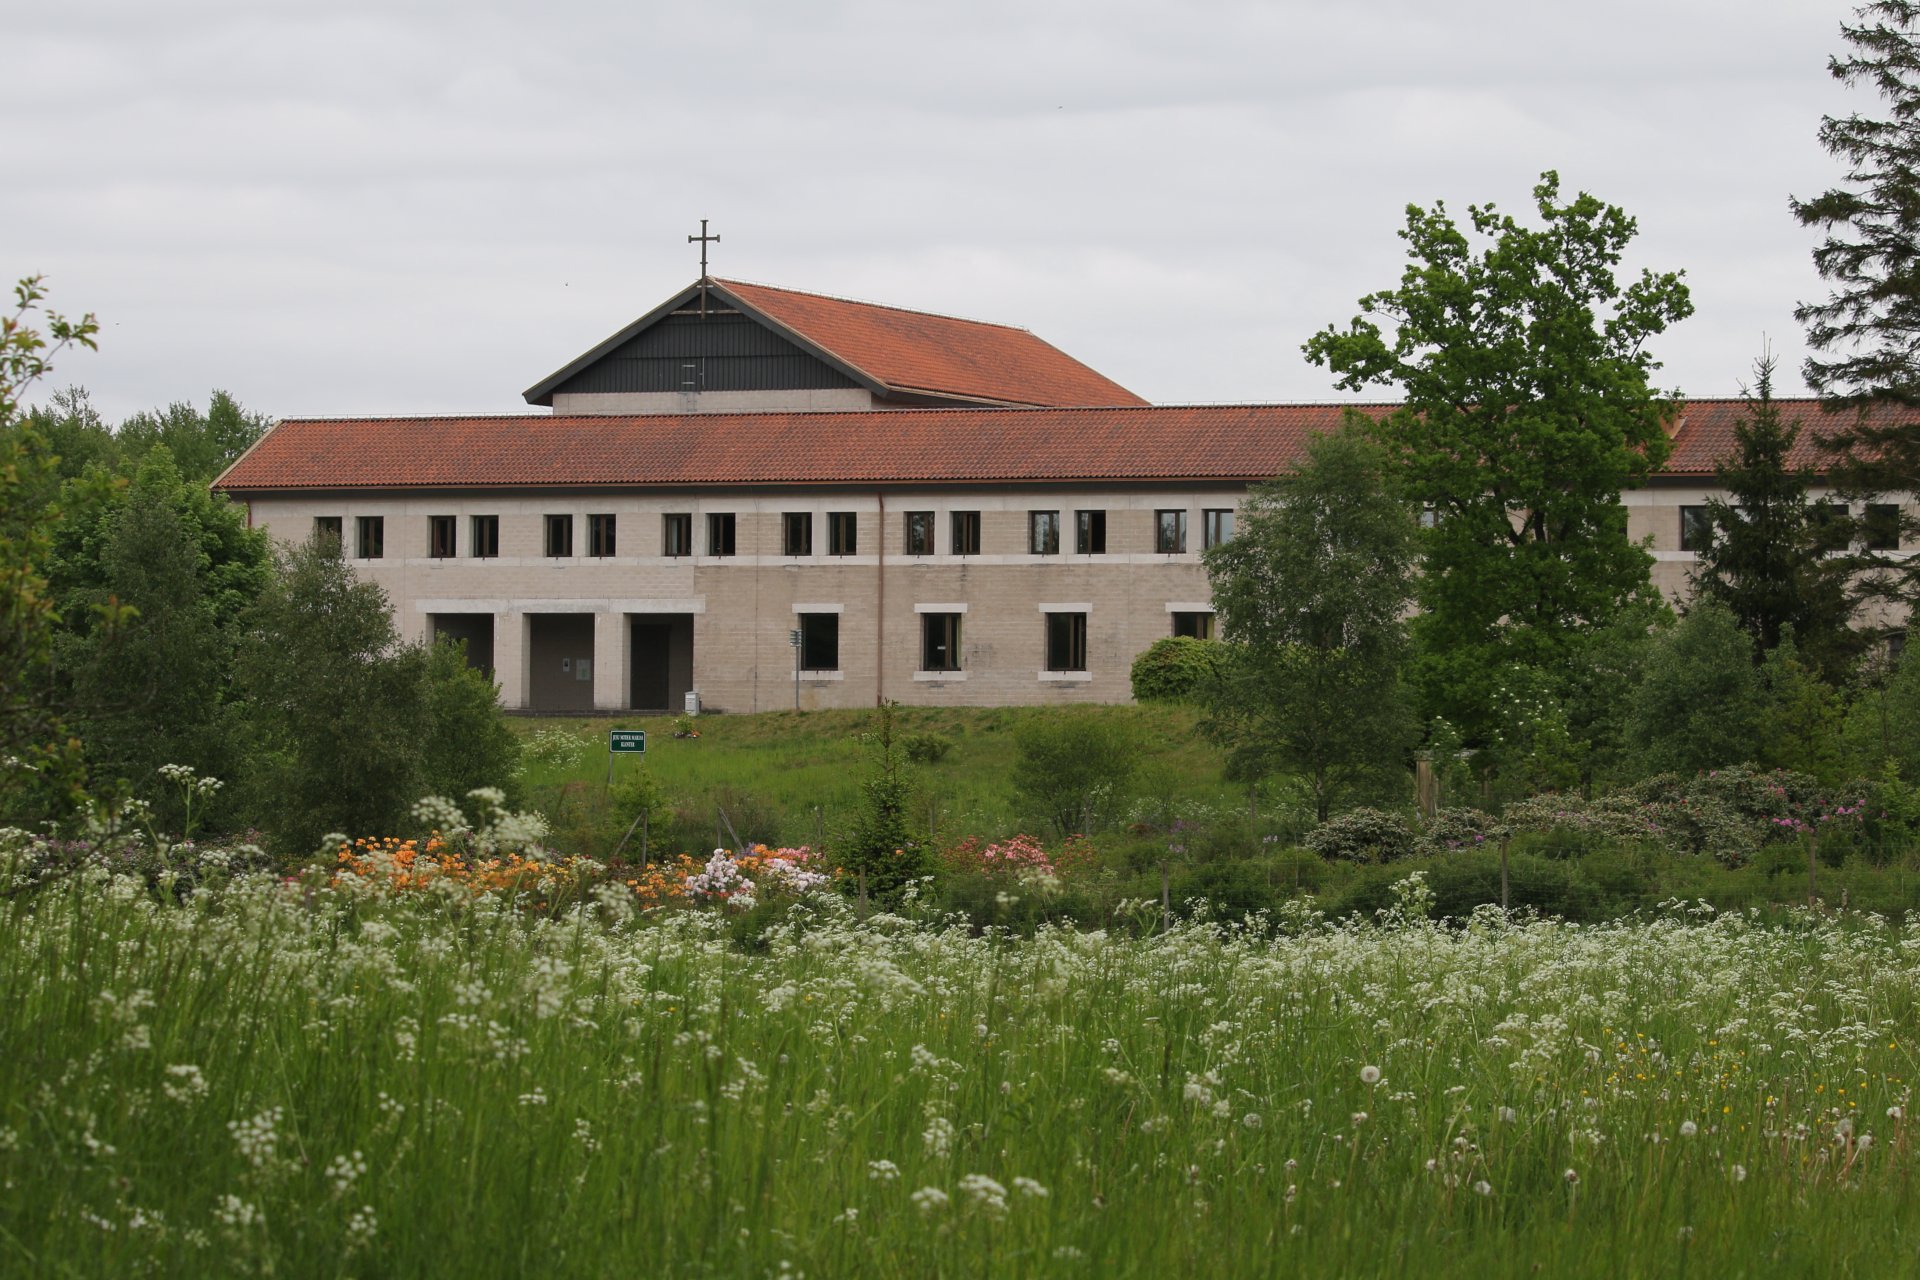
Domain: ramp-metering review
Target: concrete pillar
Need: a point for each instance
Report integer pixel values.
(611, 650)
(510, 658)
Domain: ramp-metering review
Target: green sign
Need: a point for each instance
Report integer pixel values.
(627, 740)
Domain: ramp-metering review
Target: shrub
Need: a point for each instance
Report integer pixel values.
(926, 748)
(1363, 835)
(1075, 766)
(1176, 669)
(1452, 829)
(555, 748)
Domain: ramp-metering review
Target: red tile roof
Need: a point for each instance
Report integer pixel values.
(912, 446)
(918, 351)
(1703, 434)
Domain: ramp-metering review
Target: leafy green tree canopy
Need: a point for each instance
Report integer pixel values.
(1528, 407)
(1312, 593)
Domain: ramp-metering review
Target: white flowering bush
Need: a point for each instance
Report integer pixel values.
(307, 1078)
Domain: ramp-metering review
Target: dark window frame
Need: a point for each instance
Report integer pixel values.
(330, 529)
(602, 534)
(1197, 623)
(1170, 531)
(940, 641)
(1066, 641)
(1832, 526)
(916, 537)
(843, 533)
(1696, 528)
(1090, 532)
(483, 541)
(370, 537)
(1216, 527)
(1043, 533)
(1880, 526)
(819, 641)
(557, 536)
(722, 533)
(963, 533)
(676, 534)
(443, 535)
(796, 533)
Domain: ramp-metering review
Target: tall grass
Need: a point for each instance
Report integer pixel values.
(789, 777)
(305, 1079)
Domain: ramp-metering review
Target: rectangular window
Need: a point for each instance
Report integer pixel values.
(326, 532)
(373, 537)
(939, 642)
(1696, 529)
(600, 531)
(720, 528)
(965, 529)
(485, 539)
(1090, 533)
(1832, 527)
(1881, 528)
(1170, 532)
(1043, 533)
(843, 533)
(1429, 517)
(559, 536)
(796, 533)
(440, 537)
(820, 642)
(1216, 526)
(676, 533)
(1066, 642)
(1197, 625)
(919, 533)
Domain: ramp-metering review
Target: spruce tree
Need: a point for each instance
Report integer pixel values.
(1769, 559)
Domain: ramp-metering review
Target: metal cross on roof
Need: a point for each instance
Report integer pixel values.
(703, 239)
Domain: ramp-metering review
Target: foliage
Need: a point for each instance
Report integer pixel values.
(468, 744)
(1883, 721)
(880, 849)
(335, 704)
(1527, 408)
(1768, 559)
(1801, 727)
(1861, 333)
(1871, 254)
(926, 748)
(1312, 592)
(1364, 835)
(153, 687)
(1459, 828)
(1176, 669)
(1073, 767)
(1607, 663)
(729, 880)
(1699, 703)
(557, 748)
(202, 445)
(40, 762)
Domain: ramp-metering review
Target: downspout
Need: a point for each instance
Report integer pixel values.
(880, 611)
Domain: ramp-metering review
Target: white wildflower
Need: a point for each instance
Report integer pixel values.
(1369, 1075)
(927, 1199)
(883, 1170)
(1028, 1187)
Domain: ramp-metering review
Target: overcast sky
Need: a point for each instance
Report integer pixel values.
(413, 206)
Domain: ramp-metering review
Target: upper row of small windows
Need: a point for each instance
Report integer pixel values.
(796, 533)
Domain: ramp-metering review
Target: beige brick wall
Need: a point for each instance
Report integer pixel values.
(744, 606)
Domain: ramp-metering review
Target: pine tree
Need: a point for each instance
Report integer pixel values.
(1869, 325)
(1769, 558)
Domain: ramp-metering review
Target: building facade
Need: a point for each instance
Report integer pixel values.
(768, 499)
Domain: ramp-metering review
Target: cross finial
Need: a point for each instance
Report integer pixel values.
(703, 239)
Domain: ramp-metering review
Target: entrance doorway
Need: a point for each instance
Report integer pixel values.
(560, 661)
(660, 674)
(474, 628)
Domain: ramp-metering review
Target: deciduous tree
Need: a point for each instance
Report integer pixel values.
(1528, 407)
(1312, 593)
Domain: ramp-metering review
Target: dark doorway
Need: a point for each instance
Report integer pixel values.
(560, 653)
(474, 628)
(661, 671)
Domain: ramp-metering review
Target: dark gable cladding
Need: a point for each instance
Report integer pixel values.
(726, 351)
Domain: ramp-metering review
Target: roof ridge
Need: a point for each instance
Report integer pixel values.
(880, 306)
